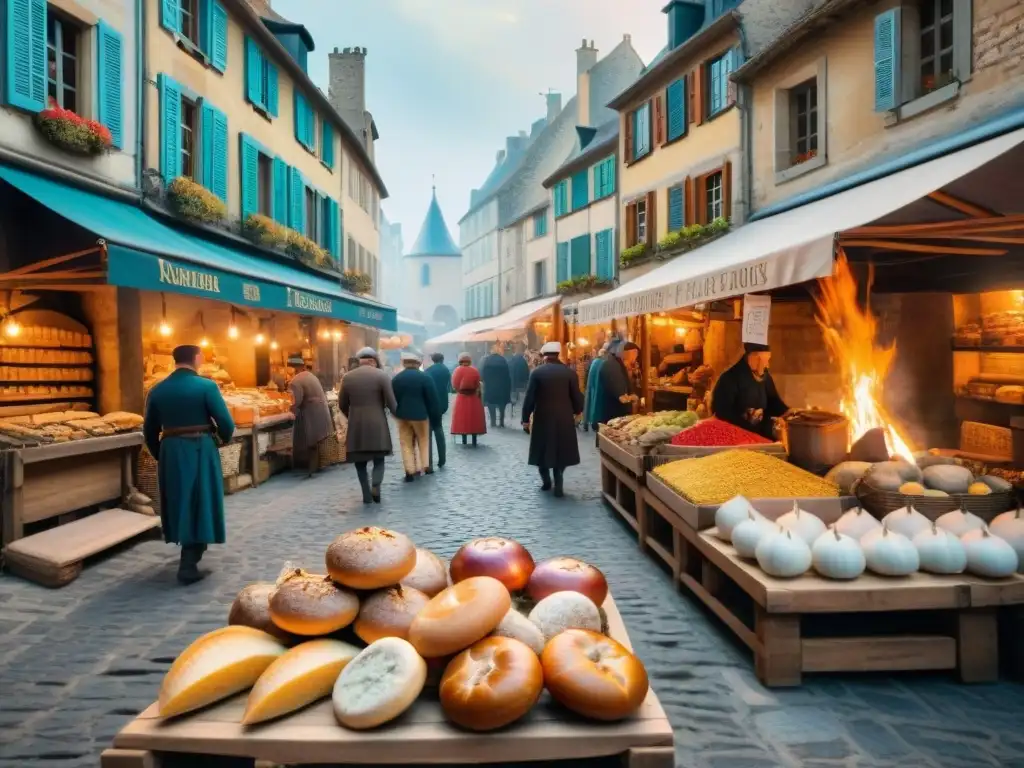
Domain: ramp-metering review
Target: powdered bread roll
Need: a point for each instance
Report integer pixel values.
(370, 558)
(388, 613)
(217, 665)
(379, 684)
(493, 683)
(518, 627)
(459, 616)
(303, 675)
(309, 604)
(252, 609)
(565, 610)
(593, 675)
(429, 575)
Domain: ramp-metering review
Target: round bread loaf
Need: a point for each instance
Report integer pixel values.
(491, 684)
(459, 616)
(370, 558)
(305, 674)
(518, 627)
(217, 665)
(251, 608)
(388, 613)
(593, 675)
(565, 610)
(429, 575)
(309, 605)
(379, 684)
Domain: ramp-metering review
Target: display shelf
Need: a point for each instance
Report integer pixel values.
(989, 401)
(987, 348)
(48, 347)
(19, 364)
(6, 399)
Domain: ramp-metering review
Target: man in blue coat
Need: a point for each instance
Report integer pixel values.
(442, 378)
(183, 414)
(416, 398)
(497, 379)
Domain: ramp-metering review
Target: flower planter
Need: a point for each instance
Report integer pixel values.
(267, 233)
(194, 202)
(72, 133)
(675, 244)
(356, 282)
(585, 284)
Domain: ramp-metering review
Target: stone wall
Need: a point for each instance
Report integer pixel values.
(999, 38)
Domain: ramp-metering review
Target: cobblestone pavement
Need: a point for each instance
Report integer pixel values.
(77, 663)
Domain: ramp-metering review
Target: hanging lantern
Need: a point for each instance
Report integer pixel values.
(164, 328)
(233, 328)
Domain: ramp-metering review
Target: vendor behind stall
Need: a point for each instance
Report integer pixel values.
(745, 395)
(617, 392)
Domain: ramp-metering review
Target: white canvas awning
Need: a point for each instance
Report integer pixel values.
(463, 333)
(785, 249)
(514, 321)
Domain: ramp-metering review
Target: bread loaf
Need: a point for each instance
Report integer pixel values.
(459, 616)
(429, 575)
(370, 558)
(388, 613)
(379, 684)
(310, 604)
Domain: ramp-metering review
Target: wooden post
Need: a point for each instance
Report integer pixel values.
(642, 519)
(977, 645)
(645, 362)
(129, 758)
(779, 659)
(649, 757)
(14, 479)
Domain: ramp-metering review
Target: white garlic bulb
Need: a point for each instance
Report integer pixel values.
(940, 551)
(1011, 530)
(748, 534)
(907, 521)
(988, 555)
(803, 524)
(836, 556)
(783, 554)
(890, 553)
(958, 522)
(857, 522)
(730, 514)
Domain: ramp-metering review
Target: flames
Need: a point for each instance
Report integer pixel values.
(850, 334)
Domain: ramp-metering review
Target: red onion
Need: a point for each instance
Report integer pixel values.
(502, 559)
(567, 574)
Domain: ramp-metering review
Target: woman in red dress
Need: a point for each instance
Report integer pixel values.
(468, 418)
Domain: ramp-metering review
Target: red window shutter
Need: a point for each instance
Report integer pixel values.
(659, 120)
(631, 225)
(691, 81)
(697, 102)
(627, 132)
(727, 190)
(690, 202)
(700, 203)
(652, 223)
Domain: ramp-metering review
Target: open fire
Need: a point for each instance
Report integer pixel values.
(850, 335)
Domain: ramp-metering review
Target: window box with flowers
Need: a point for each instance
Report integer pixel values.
(582, 284)
(356, 282)
(73, 133)
(267, 233)
(195, 202)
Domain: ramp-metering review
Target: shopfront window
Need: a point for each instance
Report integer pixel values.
(62, 61)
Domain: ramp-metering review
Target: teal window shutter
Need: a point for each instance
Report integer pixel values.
(579, 255)
(218, 36)
(301, 116)
(280, 196)
(675, 208)
(170, 128)
(249, 167)
(887, 60)
(253, 73)
(109, 81)
(540, 224)
(327, 143)
(562, 263)
(611, 175)
(606, 254)
(170, 15)
(296, 201)
(271, 102)
(562, 198)
(580, 190)
(675, 97)
(26, 54)
(215, 150)
(205, 166)
(341, 236)
(334, 218)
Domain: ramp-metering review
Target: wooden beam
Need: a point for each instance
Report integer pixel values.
(83, 287)
(36, 266)
(890, 245)
(964, 206)
(997, 224)
(57, 275)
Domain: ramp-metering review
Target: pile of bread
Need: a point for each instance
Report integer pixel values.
(48, 356)
(37, 336)
(43, 391)
(15, 373)
(300, 640)
(62, 426)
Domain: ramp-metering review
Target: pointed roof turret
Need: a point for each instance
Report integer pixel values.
(434, 238)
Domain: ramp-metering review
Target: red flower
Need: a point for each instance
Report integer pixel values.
(56, 112)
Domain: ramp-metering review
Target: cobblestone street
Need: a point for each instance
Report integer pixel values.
(77, 663)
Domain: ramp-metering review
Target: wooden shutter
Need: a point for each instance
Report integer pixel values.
(327, 143)
(249, 168)
(170, 128)
(887, 60)
(697, 95)
(659, 120)
(333, 240)
(727, 190)
(627, 132)
(690, 202)
(218, 36)
(652, 223)
(214, 150)
(297, 201)
(170, 15)
(253, 73)
(630, 225)
(280, 192)
(109, 59)
(700, 199)
(26, 63)
(675, 208)
(271, 87)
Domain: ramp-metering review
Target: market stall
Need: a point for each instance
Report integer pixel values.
(395, 653)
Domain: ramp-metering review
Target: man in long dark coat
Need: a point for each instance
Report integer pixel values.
(497, 381)
(554, 401)
(312, 417)
(365, 394)
(520, 371)
(183, 413)
(745, 395)
(442, 379)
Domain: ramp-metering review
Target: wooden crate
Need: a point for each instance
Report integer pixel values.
(313, 736)
(622, 478)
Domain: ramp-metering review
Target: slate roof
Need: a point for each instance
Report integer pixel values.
(434, 238)
(605, 140)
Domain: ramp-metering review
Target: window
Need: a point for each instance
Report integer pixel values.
(540, 279)
(189, 133)
(189, 28)
(266, 185)
(351, 258)
(561, 198)
(641, 123)
(936, 44)
(62, 61)
(718, 90)
(312, 219)
(540, 224)
(803, 121)
(604, 178)
(260, 79)
(580, 190)
(800, 124)
(641, 221)
(713, 197)
(425, 275)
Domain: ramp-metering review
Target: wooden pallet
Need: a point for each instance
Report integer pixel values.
(214, 736)
(622, 479)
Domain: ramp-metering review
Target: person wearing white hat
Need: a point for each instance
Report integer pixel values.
(553, 402)
(416, 398)
(365, 393)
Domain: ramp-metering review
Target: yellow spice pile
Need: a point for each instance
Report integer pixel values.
(717, 478)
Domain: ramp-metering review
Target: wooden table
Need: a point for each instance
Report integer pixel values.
(422, 735)
(622, 479)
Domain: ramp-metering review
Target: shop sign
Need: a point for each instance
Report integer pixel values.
(757, 311)
(251, 292)
(186, 277)
(307, 302)
(374, 315)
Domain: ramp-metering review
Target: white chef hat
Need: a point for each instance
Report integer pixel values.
(366, 352)
(411, 357)
(551, 348)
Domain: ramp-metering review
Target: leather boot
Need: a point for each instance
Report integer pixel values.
(559, 493)
(545, 479)
(188, 567)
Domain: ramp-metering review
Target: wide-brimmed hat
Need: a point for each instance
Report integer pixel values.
(367, 352)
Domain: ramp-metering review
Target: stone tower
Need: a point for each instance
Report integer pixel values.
(347, 93)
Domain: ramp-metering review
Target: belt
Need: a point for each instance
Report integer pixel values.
(467, 392)
(197, 431)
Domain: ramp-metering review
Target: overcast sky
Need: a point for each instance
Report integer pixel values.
(448, 80)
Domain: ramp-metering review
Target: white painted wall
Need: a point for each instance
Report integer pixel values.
(419, 302)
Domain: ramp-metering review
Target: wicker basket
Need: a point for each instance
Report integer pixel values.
(880, 503)
(147, 478)
(332, 451)
(230, 459)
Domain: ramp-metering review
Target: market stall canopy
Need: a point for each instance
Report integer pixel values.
(788, 248)
(513, 322)
(145, 253)
(463, 333)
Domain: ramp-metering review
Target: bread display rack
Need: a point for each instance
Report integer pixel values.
(46, 364)
(313, 736)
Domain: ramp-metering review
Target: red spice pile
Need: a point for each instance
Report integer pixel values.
(714, 432)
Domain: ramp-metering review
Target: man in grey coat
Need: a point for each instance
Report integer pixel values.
(365, 393)
(312, 416)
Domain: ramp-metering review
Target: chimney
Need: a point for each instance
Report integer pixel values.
(347, 88)
(500, 157)
(586, 58)
(685, 18)
(554, 101)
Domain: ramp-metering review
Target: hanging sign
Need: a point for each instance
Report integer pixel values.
(757, 311)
